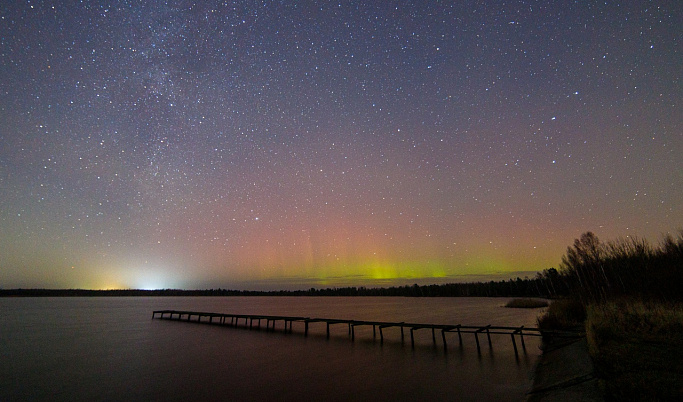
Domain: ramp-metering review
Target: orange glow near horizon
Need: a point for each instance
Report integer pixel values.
(366, 145)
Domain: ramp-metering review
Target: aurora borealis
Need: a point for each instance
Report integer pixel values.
(267, 145)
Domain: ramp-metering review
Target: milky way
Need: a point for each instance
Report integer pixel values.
(267, 145)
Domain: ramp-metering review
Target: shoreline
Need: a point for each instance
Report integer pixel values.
(565, 372)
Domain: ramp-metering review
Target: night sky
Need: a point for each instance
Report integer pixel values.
(269, 145)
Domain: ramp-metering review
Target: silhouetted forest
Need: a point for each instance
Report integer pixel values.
(541, 286)
(590, 269)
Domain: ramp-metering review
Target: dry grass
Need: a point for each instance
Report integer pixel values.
(636, 348)
(563, 314)
(527, 303)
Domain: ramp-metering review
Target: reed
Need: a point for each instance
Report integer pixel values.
(628, 267)
(627, 295)
(636, 349)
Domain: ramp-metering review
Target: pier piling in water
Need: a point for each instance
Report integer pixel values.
(222, 319)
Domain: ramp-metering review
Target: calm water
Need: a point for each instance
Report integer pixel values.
(111, 349)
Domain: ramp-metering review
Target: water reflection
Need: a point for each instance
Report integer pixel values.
(110, 349)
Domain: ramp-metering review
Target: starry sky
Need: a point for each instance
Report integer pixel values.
(287, 145)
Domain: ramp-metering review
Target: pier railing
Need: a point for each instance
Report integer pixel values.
(254, 320)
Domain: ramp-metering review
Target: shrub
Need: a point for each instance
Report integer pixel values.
(596, 271)
(563, 314)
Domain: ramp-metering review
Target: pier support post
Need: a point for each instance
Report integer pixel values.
(221, 319)
(514, 344)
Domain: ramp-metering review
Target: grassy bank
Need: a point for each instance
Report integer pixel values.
(563, 314)
(636, 348)
(626, 294)
(635, 345)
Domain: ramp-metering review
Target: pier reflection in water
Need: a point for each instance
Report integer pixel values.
(110, 349)
(488, 330)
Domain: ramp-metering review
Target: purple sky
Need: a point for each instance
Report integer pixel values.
(261, 145)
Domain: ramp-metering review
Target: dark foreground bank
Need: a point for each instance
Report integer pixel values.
(565, 372)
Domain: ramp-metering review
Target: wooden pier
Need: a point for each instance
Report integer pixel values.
(252, 320)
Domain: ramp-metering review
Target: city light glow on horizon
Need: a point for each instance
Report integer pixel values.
(198, 145)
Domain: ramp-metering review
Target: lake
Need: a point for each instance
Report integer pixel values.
(109, 348)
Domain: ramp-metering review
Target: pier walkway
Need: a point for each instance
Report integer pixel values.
(253, 320)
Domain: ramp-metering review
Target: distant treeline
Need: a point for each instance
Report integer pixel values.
(590, 270)
(540, 286)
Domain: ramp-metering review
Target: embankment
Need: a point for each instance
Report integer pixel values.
(565, 372)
